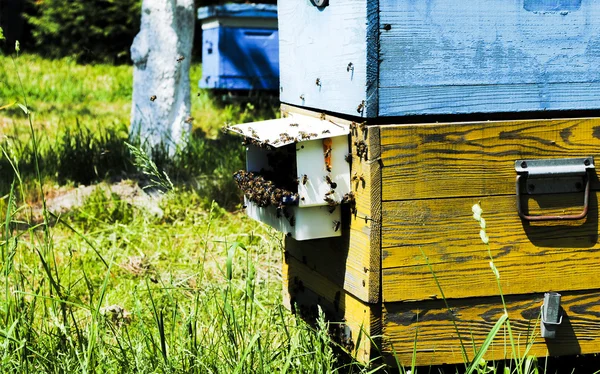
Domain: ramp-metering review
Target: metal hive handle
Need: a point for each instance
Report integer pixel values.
(549, 171)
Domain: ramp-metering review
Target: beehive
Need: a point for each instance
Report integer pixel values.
(240, 49)
(451, 104)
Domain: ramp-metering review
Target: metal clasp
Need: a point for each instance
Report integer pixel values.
(551, 315)
(554, 176)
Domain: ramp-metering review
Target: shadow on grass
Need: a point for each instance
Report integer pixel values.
(83, 156)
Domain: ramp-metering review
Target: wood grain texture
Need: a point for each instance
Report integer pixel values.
(475, 159)
(536, 257)
(304, 289)
(352, 261)
(444, 56)
(438, 342)
(320, 43)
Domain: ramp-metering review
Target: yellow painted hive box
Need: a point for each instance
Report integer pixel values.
(409, 243)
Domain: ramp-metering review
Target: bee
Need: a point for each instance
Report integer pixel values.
(355, 177)
(330, 182)
(361, 178)
(348, 158)
(189, 119)
(360, 107)
(363, 126)
(302, 97)
(286, 213)
(328, 168)
(293, 124)
(318, 82)
(330, 201)
(353, 127)
(336, 225)
(313, 135)
(331, 208)
(180, 58)
(325, 132)
(322, 116)
(330, 192)
(327, 152)
(349, 197)
(304, 179)
(350, 67)
(153, 97)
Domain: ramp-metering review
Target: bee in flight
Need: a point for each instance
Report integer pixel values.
(153, 97)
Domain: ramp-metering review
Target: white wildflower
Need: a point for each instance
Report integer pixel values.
(477, 212)
(484, 238)
(495, 270)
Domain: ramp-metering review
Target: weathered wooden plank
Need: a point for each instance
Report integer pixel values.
(329, 44)
(344, 261)
(438, 343)
(536, 257)
(304, 289)
(464, 99)
(444, 56)
(475, 159)
(352, 261)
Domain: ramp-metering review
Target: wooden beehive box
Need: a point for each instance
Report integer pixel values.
(447, 103)
(382, 58)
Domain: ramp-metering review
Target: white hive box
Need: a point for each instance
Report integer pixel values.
(323, 174)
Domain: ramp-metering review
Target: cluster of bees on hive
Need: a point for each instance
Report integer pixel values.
(264, 192)
(279, 187)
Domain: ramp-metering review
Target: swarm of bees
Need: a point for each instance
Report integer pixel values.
(361, 149)
(257, 143)
(351, 201)
(263, 192)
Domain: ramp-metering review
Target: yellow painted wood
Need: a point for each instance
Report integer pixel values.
(354, 260)
(304, 289)
(536, 257)
(438, 343)
(474, 159)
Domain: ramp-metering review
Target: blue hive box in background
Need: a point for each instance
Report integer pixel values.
(240, 47)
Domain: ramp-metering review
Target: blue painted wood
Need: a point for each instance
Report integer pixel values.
(238, 10)
(323, 56)
(240, 58)
(243, 55)
(447, 56)
(420, 57)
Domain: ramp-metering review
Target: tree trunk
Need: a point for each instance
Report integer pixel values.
(161, 54)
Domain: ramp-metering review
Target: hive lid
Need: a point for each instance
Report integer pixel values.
(238, 10)
(294, 128)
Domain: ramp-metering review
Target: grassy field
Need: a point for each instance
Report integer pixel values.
(189, 286)
(109, 286)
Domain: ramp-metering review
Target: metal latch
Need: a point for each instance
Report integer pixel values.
(551, 315)
(554, 176)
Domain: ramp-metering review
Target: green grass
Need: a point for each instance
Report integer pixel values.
(109, 287)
